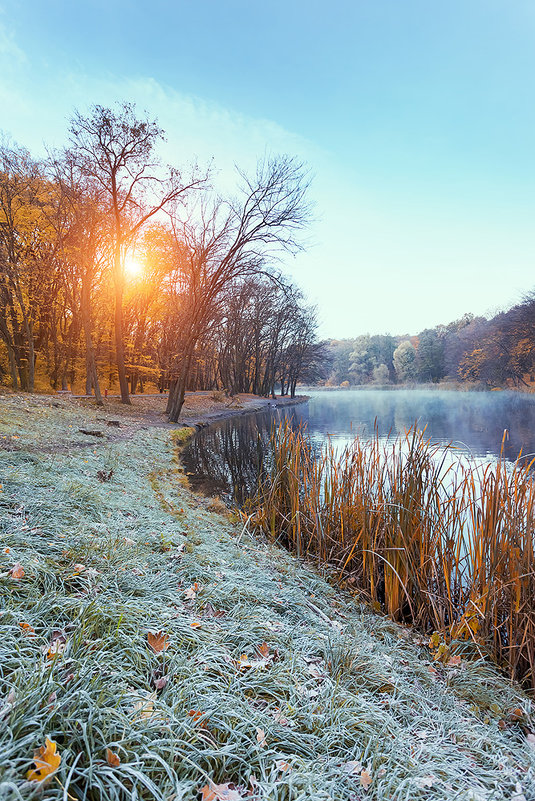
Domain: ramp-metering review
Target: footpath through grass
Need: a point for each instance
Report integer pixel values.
(261, 674)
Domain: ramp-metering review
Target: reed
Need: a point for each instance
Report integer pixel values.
(432, 540)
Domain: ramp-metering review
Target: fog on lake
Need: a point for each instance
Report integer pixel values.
(227, 458)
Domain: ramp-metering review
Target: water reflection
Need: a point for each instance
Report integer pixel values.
(226, 459)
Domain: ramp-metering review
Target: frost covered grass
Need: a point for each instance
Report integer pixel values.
(273, 679)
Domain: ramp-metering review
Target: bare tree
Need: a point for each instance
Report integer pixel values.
(228, 240)
(117, 150)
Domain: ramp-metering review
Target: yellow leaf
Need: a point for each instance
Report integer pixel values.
(46, 761)
(158, 641)
(112, 759)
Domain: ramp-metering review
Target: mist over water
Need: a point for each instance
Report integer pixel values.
(226, 459)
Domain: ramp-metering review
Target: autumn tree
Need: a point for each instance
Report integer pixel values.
(117, 149)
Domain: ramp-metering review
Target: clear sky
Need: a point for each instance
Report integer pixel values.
(417, 118)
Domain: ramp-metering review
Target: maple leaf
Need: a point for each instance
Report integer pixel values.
(17, 571)
(112, 759)
(46, 761)
(158, 641)
(220, 792)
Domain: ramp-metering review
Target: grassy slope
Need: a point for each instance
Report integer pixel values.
(347, 685)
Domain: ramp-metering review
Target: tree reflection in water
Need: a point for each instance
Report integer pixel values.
(228, 458)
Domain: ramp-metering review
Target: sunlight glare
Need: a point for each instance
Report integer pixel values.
(133, 267)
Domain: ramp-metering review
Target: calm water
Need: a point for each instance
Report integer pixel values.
(226, 458)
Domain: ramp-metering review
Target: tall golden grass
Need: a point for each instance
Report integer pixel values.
(435, 541)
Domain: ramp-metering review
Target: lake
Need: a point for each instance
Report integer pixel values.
(226, 458)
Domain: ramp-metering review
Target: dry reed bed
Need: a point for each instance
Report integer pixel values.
(443, 544)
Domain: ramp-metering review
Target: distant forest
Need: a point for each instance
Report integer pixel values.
(496, 352)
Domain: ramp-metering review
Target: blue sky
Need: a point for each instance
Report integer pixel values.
(417, 119)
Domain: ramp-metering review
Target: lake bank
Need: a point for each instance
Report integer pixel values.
(266, 669)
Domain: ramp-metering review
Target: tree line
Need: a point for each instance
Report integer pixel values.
(494, 352)
(118, 269)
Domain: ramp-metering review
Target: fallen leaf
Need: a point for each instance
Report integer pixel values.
(353, 766)
(191, 594)
(261, 737)
(263, 650)
(58, 643)
(283, 766)
(158, 641)
(143, 709)
(454, 661)
(17, 571)
(112, 759)
(161, 682)
(27, 628)
(46, 761)
(365, 779)
(426, 781)
(515, 714)
(195, 624)
(220, 792)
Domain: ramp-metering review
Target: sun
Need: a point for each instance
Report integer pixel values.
(133, 267)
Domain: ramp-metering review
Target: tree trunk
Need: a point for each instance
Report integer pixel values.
(90, 361)
(119, 337)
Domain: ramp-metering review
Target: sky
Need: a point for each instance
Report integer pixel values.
(415, 117)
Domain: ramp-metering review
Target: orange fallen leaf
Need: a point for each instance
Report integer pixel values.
(282, 765)
(112, 759)
(195, 714)
(158, 641)
(46, 761)
(27, 628)
(263, 650)
(193, 590)
(220, 792)
(17, 571)
(195, 624)
(454, 661)
(365, 779)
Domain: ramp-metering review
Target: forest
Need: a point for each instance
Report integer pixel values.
(120, 273)
(491, 353)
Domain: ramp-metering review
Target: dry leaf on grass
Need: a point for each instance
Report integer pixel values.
(27, 628)
(46, 761)
(352, 767)
(112, 759)
(365, 779)
(191, 594)
(158, 641)
(426, 781)
(454, 661)
(143, 708)
(17, 571)
(261, 737)
(58, 644)
(220, 792)
(195, 625)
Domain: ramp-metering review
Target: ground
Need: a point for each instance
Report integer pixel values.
(165, 650)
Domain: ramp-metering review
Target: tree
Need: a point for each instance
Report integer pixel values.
(117, 150)
(227, 240)
(405, 361)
